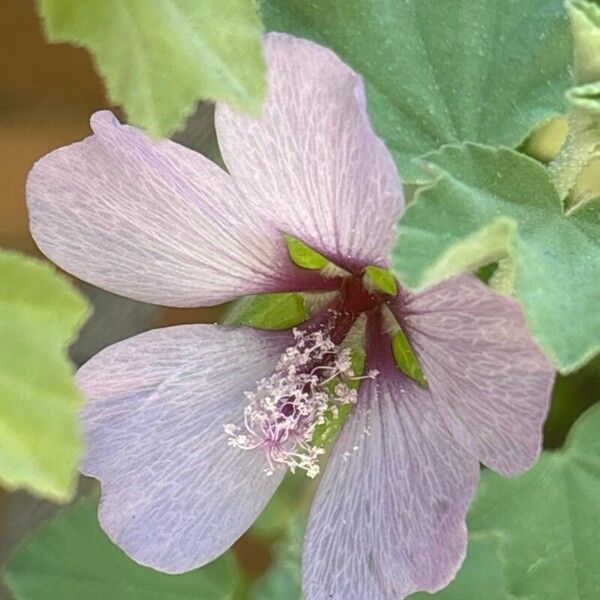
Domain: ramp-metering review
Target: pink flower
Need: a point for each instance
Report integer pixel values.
(190, 429)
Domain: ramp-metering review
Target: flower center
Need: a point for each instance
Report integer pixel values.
(310, 382)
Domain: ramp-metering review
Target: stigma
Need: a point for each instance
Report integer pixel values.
(312, 379)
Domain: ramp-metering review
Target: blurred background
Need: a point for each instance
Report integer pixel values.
(47, 94)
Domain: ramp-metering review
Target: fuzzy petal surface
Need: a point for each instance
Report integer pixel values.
(174, 494)
(152, 220)
(312, 161)
(490, 381)
(389, 515)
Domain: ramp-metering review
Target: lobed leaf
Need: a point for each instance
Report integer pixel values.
(88, 565)
(40, 313)
(535, 537)
(482, 570)
(547, 520)
(443, 72)
(159, 58)
(485, 204)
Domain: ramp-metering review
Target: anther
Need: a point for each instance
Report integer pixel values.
(285, 409)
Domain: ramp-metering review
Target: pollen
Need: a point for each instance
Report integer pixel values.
(310, 381)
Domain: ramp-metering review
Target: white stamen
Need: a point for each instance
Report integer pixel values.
(285, 409)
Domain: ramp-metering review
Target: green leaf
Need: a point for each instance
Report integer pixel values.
(303, 255)
(547, 520)
(488, 203)
(482, 570)
(40, 313)
(72, 558)
(535, 537)
(159, 58)
(267, 311)
(444, 72)
(406, 359)
(382, 279)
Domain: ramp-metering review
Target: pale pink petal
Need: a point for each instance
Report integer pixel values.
(490, 381)
(389, 515)
(312, 160)
(152, 221)
(174, 494)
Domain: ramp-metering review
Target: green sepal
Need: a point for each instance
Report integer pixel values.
(304, 256)
(381, 279)
(267, 311)
(406, 359)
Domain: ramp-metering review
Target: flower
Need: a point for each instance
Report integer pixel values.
(190, 429)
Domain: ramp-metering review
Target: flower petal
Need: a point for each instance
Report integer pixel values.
(152, 221)
(389, 515)
(490, 381)
(312, 161)
(175, 495)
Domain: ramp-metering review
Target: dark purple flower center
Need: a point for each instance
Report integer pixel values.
(354, 300)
